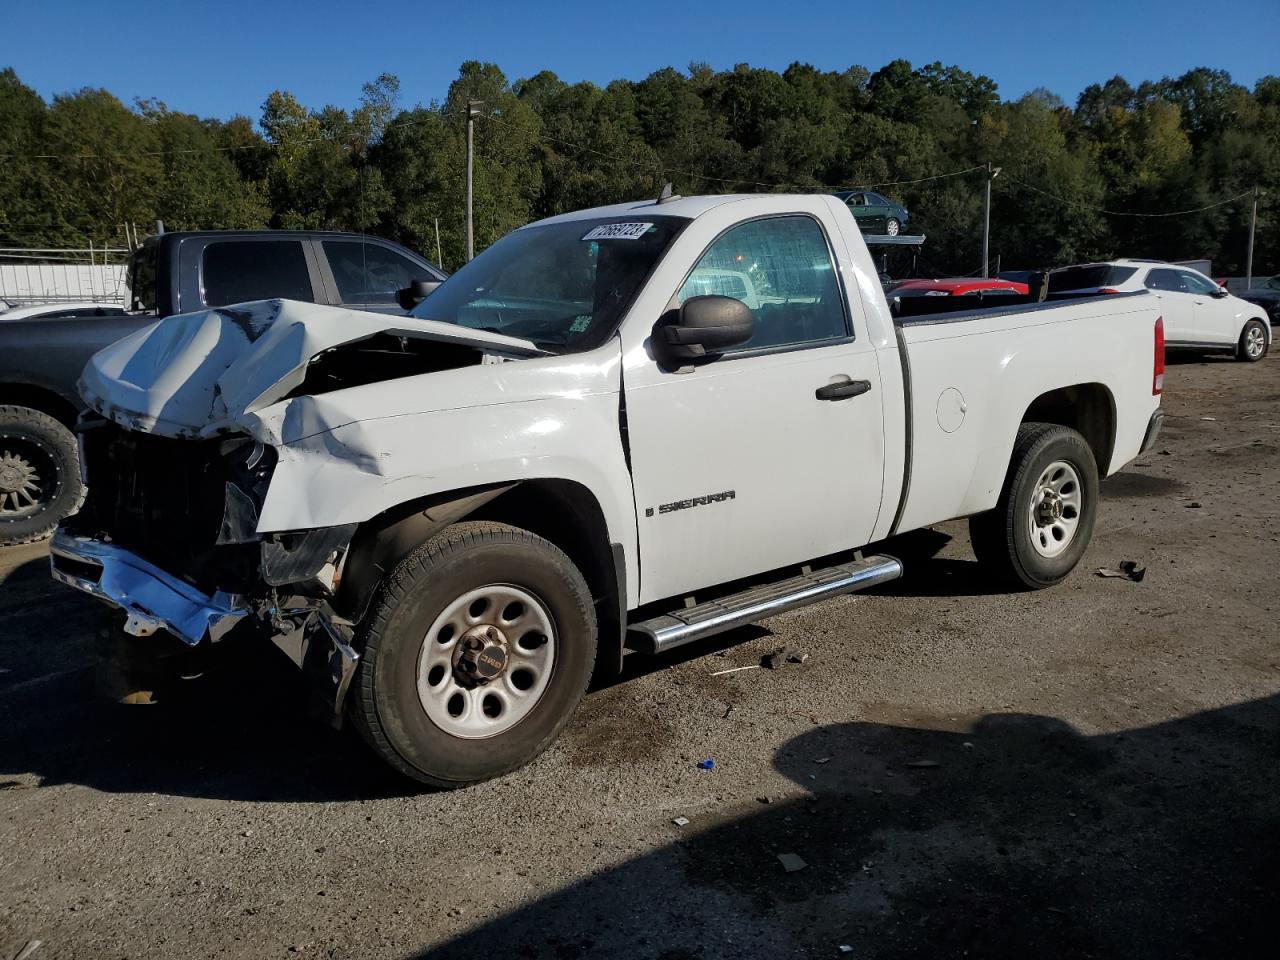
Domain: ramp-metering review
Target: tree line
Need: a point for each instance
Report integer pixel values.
(1078, 182)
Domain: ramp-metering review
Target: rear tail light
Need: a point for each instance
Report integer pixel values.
(1157, 376)
(1108, 290)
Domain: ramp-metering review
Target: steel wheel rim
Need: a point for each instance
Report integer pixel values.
(28, 477)
(1054, 514)
(1253, 342)
(456, 697)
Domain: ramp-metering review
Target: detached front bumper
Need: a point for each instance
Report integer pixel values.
(152, 599)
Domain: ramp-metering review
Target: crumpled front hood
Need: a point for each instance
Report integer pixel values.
(196, 374)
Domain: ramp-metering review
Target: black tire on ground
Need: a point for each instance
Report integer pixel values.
(467, 556)
(1002, 537)
(892, 226)
(1253, 342)
(39, 475)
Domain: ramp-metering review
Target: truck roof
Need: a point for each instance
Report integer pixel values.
(689, 207)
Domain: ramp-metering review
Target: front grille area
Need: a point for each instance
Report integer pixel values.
(163, 499)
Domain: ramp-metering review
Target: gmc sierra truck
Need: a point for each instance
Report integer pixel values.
(624, 428)
(41, 357)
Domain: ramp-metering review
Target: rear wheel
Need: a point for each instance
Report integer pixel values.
(477, 651)
(892, 226)
(1044, 518)
(39, 475)
(1253, 342)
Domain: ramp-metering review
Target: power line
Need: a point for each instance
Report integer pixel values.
(939, 176)
(1121, 213)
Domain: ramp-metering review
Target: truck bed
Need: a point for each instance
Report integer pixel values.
(972, 375)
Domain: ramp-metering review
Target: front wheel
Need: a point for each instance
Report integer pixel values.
(39, 475)
(1253, 342)
(476, 652)
(892, 227)
(1043, 520)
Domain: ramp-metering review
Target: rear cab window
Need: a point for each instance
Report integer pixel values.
(142, 277)
(236, 271)
(1080, 278)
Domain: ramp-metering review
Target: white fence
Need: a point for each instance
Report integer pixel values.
(89, 275)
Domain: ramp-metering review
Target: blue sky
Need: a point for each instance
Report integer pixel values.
(220, 59)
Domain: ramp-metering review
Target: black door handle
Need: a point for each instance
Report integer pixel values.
(843, 390)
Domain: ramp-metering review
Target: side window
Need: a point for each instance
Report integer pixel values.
(858, 200)
(1163, 280)
(781, 269)
(234, 271)
(370, 272)
(1194, 283)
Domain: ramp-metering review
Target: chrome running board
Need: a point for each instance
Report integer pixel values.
(715, 616)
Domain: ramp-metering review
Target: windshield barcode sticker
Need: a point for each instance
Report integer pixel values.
(618, 231)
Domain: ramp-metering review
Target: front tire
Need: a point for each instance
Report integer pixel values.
(1253, 342)
(477, 650)
(1043, 521)
(39, 475)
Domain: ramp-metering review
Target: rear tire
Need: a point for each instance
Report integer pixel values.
(892, 227)
(39, 475)
(1253, 342)
(520, 601)
(1043, 521)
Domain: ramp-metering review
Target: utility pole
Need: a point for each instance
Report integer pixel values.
(992, 173)
(1253, 227)
(473, 109)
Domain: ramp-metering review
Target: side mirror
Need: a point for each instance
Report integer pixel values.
(415, 293)
(1221, 292)
(706, 326)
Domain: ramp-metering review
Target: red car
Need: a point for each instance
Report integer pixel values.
(958, 287)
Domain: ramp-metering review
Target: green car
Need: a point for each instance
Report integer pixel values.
(875, 213)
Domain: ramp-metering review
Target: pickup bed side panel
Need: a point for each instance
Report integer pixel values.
(51, 352)
(348, 457)
(974, 379)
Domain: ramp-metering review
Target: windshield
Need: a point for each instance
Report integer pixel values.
(563, 285)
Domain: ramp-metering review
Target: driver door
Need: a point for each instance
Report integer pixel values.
(743, 463)
(1215, 315)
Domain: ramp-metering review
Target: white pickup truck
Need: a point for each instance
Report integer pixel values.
(621, 428)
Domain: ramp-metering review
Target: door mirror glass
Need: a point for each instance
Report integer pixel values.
(707, 326)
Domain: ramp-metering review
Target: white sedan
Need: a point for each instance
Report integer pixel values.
(1198, 313)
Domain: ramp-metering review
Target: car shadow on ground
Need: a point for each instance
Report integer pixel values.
(1018, 837)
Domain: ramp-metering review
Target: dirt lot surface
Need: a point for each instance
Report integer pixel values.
(1092, 770)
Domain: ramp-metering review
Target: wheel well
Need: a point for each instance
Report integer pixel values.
(39, 398)
(561, 511)
(568, 514)
(1087, 408)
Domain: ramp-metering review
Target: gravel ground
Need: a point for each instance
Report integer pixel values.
(1091, 770)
